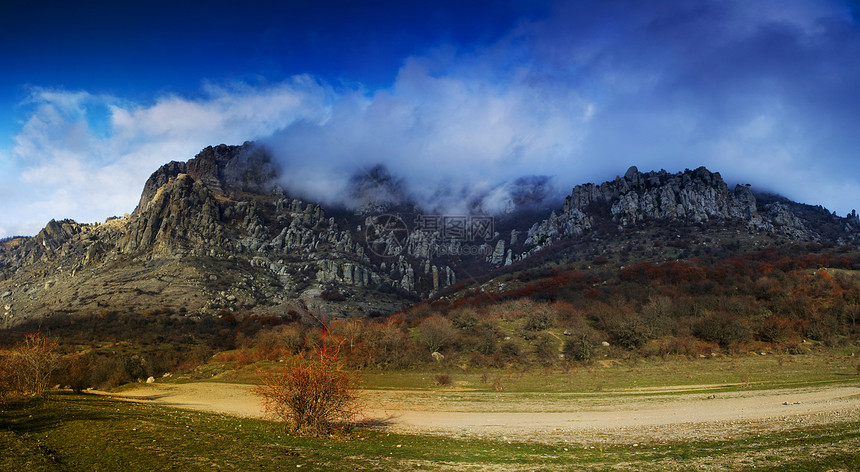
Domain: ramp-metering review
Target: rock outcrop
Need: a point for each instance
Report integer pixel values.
(691, 197)
(212, 234)
(697, 196)
(217, 234)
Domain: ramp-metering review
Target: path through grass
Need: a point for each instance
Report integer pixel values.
(86, 433)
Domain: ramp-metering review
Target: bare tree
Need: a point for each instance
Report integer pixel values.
(314, 392)
(436, 333)
(31, 364)
(6, 382)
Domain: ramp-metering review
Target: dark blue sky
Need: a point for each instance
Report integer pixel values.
(140, 49)
(465, 96)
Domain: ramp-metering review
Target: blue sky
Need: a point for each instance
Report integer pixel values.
(459, 96)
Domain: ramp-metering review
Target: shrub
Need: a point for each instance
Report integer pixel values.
(388, 345)
(164, 361)
(76, 372)
(444, 380)
(721, 327)
(274, 343)
(31, 365)
(820, 326)
(351, 331)
(134, 367)
(546, 349)
(510, 349)
(436, 333)
(314, 392)
(630, 334)
(485, 339)
(514, 309)
(109, 372)
(498, 384)
(578, 347)
(6, 385)
(775, 329)
(332, 295)
(687, 346)
(539, 319)
(480, 360)
(465, 319)
(657, 316)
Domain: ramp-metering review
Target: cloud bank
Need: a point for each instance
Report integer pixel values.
(86, 157)
(763, 92)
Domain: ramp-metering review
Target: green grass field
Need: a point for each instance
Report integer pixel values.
(79, 432)
(67, 432)
(725, 373)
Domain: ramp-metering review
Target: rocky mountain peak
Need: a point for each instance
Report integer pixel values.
(246, 168)
(697, 194)
(157, 180)
(690, 197)
(210, 235)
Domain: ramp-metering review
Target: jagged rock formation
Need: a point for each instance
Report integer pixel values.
(220, 234)
(217, 234)
(693, 196)
(697, 195)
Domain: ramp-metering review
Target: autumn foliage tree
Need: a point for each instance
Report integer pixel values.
(314, 391)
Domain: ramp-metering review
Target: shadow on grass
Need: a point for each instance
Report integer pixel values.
(141, 398)
(374, 422)
(34, 415)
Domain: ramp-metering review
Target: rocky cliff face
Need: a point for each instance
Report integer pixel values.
(212, 234)
(217, 235)
(246, 168)
(693, 196)
(697, 196)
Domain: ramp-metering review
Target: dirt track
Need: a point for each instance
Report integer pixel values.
(636, 416)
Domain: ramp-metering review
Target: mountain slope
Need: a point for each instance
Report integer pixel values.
(218, 235)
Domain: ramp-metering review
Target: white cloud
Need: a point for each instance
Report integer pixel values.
(61, 168)
(762, 94)
(462, 134)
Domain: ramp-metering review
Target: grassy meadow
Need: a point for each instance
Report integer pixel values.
(71, 432)
(80, 432)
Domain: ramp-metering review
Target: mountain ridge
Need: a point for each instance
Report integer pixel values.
(217, 234)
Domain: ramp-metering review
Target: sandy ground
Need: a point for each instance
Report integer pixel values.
(633, 416)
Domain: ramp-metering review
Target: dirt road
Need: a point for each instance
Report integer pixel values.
(632, 416)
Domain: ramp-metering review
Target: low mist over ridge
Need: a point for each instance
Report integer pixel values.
(218, 233)
(468, 101)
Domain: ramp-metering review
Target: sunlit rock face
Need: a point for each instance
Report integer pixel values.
(217, 234)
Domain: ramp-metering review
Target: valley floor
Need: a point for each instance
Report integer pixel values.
(757, 413)
(627, 416)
